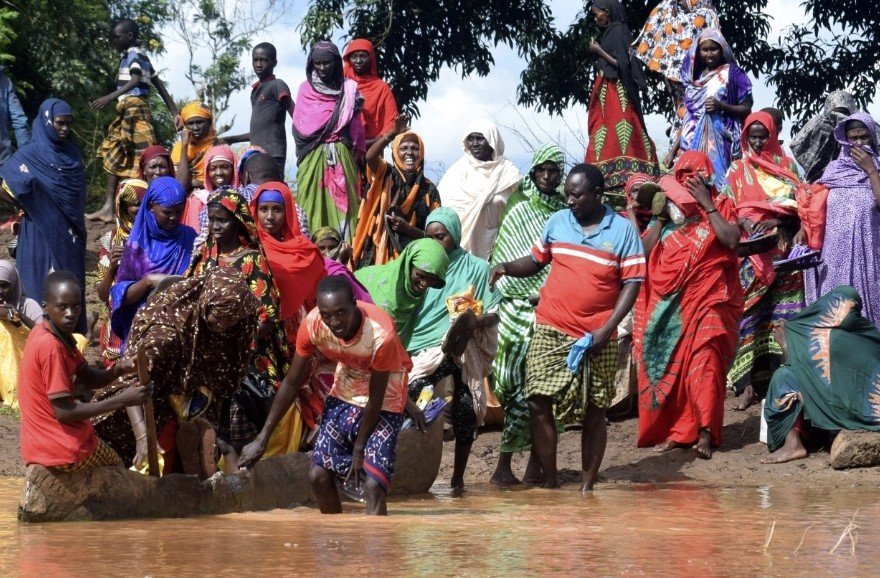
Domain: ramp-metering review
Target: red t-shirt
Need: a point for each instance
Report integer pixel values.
(47, 370)
(375, 347)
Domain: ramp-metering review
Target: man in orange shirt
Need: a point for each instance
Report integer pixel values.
(363, 414)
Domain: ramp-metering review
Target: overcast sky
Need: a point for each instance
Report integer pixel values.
(453, 102)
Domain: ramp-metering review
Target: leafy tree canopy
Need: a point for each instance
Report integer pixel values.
(838, 47)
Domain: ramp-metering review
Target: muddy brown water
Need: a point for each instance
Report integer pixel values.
(653, 530)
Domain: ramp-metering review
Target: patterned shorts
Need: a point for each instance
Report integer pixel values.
(340, 424)
(547, 374)
(102, 456)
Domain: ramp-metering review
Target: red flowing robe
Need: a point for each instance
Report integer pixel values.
(686, 333)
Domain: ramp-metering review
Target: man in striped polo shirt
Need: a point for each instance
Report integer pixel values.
(598, 267)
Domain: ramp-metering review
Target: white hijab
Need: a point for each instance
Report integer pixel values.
(478, 190)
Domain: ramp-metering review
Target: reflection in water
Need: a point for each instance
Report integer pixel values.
(681, 530)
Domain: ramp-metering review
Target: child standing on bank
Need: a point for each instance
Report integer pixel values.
(270, 101)
(56, 431)
(132, 129)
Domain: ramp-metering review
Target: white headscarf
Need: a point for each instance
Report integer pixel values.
(478, 190)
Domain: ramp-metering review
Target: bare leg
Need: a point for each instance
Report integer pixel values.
(747, 399)
(544, 437)
(105, 213)
(793, 449)
(377, 501)
(534, 474)
(503, 475)
(703, 448)
(462, 453)
(666, 446)
(324, 489)
(594, 438)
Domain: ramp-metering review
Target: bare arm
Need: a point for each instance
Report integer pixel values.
(290, 385)
(596, 49)
(93, 378)
(740, 110)
(522, 267)
(69, 410)
(378, 385)
(727, 233)
(138, 290)
(100, 103)
(182, 170)
(374, 152)
(866, 163)
(169, 102)
(625, 301)
(650, 240)
(288, 104)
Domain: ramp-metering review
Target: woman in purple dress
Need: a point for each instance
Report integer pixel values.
(851, 249)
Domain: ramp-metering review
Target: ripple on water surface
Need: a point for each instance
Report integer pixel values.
(682, 530)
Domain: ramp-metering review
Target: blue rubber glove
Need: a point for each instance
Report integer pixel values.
(576, 355)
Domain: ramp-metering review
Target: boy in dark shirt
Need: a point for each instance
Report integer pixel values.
(270, 101)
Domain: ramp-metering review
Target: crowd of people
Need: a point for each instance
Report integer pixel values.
(241, 315)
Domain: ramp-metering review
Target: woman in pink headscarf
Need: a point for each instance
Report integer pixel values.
(329, 136)
(221, 170)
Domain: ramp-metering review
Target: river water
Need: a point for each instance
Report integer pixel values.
(672, 530)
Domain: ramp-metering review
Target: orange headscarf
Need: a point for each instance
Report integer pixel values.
(195, 152)
(371, 216)
(295, 262)
(380, 108)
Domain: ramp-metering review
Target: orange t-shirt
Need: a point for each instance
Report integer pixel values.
(48, 366)
(375, 347)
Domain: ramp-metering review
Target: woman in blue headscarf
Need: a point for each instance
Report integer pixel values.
(158, 246)
(46, 181)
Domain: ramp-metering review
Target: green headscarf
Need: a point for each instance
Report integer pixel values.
(524, 218)
(432, 320)
(390, 285)
(449, 219)
(833, 363)
(529, 191)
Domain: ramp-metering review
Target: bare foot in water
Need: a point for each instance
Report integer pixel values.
(793, 449)
(504, 479)
(666, 446)
(703, 447)
(747, 399)
(534, 472)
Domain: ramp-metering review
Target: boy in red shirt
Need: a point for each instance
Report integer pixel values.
(56, 430)
(363, 414)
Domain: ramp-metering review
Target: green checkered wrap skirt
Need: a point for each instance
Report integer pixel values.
(547, 374)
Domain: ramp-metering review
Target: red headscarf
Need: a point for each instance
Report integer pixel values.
(296, 263)
(690, 164)
(690, 253)
(149, 154)
(380, 108)
(772, 160)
